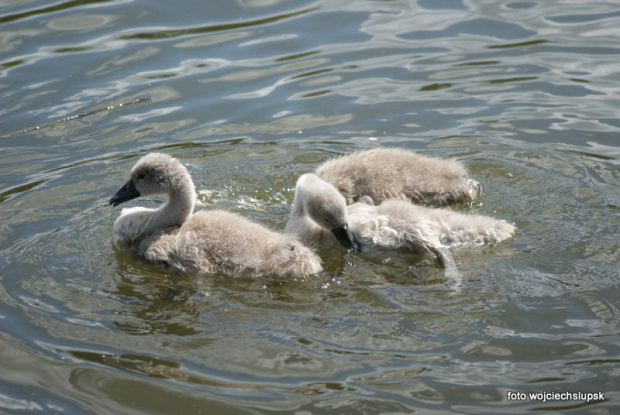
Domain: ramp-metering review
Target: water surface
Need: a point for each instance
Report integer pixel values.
(251, 94)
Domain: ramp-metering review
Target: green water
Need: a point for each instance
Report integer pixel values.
(251, 94)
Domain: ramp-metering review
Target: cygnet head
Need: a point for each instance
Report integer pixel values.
(156, 173)
(324, 204)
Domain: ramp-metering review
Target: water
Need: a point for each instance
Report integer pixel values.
(250, 94)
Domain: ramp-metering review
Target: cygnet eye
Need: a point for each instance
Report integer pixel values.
(141, 176)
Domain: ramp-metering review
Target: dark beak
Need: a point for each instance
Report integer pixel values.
(125, 193)
(347, 239)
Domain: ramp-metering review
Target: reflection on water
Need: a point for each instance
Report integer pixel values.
(251, 94)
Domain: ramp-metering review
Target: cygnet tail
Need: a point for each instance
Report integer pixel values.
(295, 260)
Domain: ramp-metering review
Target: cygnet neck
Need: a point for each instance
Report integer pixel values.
(297, 209)
(179, 206)
(301, 223)
(298, 217)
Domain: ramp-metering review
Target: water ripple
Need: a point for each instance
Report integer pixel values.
(251, 94)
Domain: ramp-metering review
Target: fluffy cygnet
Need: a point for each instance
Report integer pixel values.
(319, 215)
(207, 241)
(396, 224)
(393, 173)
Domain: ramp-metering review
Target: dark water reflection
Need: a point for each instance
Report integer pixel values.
(249, 95)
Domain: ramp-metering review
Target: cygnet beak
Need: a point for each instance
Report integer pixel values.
(125, 193)
(347, 239)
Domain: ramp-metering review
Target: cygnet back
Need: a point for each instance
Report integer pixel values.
(421, 228)
(393, 173)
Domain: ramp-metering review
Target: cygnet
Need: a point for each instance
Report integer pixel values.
(394, 173)
(394, 224)
(208, 242)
